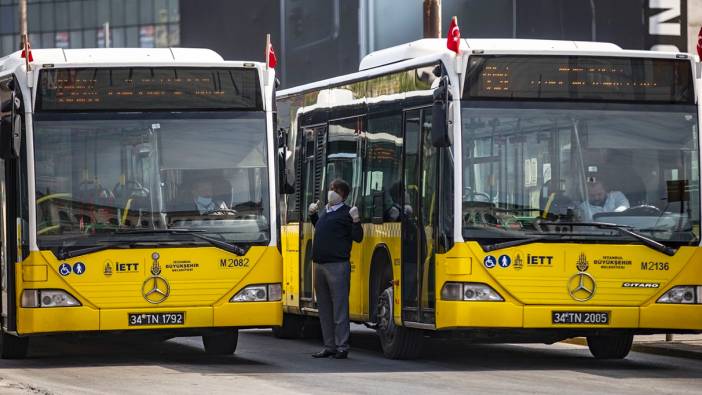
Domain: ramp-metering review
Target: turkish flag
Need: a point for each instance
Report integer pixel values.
(272, 59)
(453, 40)
(28, 50)
(699, 43)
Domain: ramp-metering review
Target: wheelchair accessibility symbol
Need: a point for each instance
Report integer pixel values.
(489, 261)
(65, 269)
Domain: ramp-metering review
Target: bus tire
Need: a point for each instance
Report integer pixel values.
(13, 347)
(610, 346)
(398, 342)
(291, 328)
(221, 343)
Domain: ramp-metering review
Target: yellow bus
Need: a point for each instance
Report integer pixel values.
(521, 191)
(137, 195)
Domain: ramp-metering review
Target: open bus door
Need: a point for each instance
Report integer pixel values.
(314, 142)
(10, 143)
(420, 177)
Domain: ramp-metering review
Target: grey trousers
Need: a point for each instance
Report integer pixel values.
(332, 283)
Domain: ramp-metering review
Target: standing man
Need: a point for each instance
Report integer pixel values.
(335, 230)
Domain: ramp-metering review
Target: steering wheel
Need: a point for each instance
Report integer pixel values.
(227, 211)
(644, 209)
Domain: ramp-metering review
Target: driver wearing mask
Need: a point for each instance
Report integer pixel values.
(202, 196)
(602, 201)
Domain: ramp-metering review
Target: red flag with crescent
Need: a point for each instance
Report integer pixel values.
(699, 43)
(27, 51)
(453, 40)
(271, 59)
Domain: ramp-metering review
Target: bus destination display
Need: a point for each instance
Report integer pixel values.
(148, 89)
(579, 78)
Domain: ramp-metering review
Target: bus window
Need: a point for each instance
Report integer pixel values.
(383, 167)
(342, 156)
(95, 176)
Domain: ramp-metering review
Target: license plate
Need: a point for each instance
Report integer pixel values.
(141, 319)
(580, 317)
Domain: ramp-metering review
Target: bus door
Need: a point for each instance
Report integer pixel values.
(420, 178)
(9, 196)
(314, 142)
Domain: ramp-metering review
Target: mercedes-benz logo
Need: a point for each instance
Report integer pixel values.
(581, 287)
(155, 289)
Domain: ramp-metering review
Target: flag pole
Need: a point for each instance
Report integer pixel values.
(268, 50)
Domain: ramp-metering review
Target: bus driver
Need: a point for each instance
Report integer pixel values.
(202, 196)
(601, 201)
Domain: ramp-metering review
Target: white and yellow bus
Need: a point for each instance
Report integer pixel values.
(521, 190)
(137, 194)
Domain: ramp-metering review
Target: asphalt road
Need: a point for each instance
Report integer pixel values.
(263, 364)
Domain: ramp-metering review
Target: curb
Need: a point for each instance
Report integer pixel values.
(672, 349)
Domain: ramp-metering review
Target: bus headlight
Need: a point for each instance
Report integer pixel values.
(258, 293)
(470, 292)
(48, 298)
(682, 294)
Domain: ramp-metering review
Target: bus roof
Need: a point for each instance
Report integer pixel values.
(437, 46)
(116, 56)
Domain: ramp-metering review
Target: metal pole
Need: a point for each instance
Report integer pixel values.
(432, 18)
(23, 19)
(107, 34)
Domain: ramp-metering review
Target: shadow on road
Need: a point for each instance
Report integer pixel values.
(260, 352)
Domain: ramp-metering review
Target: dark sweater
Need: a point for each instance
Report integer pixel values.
(334, 234)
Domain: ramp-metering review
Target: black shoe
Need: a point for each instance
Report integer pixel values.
(323, 354)
(341, 355)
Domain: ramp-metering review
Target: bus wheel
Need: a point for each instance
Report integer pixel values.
(222, 343)
(13, 347)
(291, 328)
(397, 342)
(610, 346)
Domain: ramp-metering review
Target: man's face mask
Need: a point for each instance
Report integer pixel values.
(333, 198)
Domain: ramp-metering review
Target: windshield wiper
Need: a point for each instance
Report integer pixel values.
(650, 243)
(229, 247)
(62, 253)
(511, 243)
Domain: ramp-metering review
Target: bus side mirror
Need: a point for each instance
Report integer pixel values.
(440, 136)
(10, 136)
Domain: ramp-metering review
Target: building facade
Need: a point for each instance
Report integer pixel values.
(83, 23)
(316, 39)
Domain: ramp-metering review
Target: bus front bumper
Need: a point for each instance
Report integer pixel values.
(465, 315)
(33, 321)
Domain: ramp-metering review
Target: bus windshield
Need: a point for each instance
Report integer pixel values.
(99, 174)
(529, 167)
